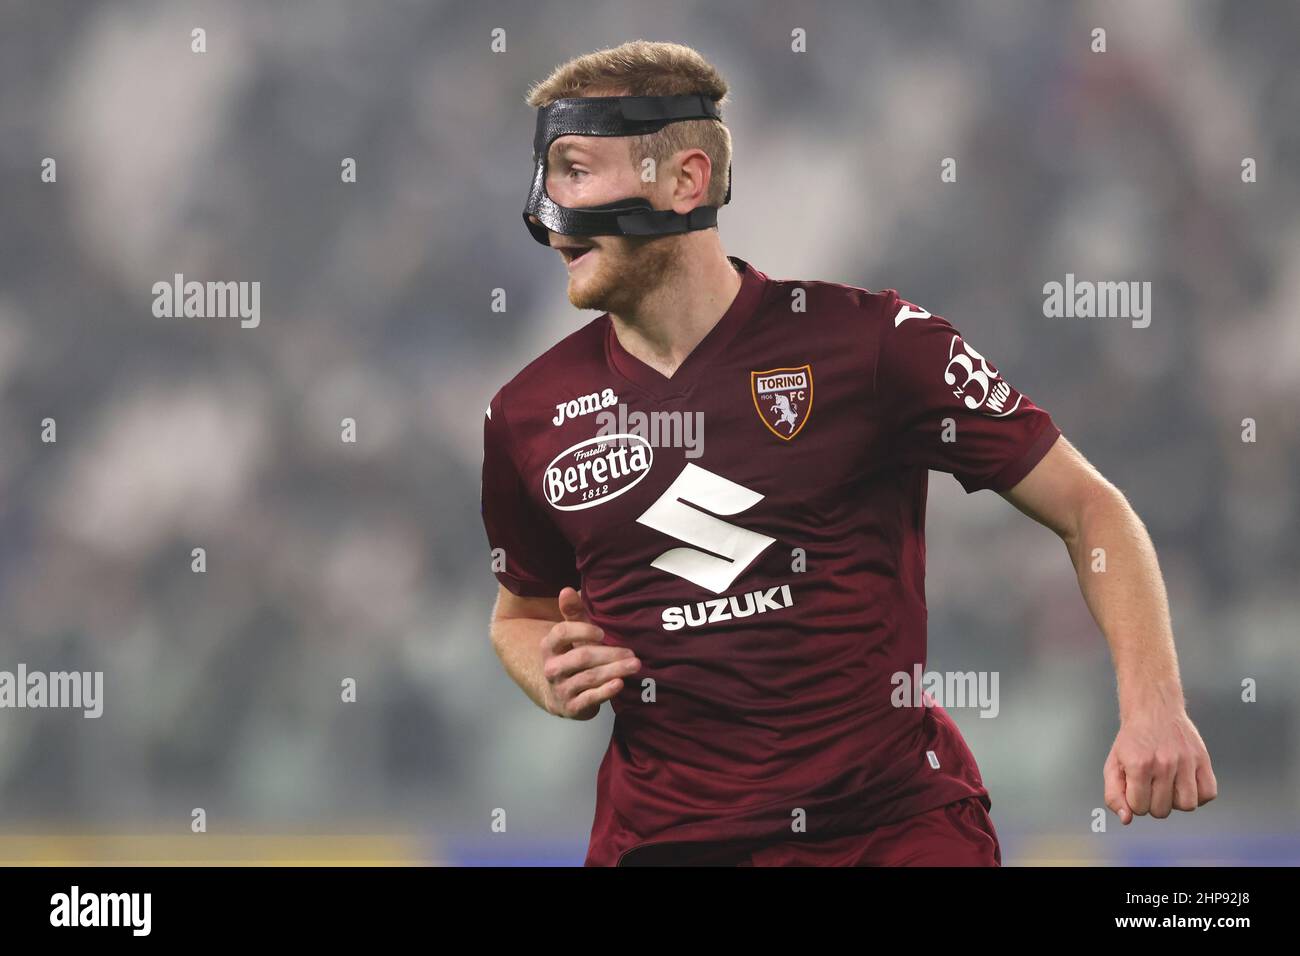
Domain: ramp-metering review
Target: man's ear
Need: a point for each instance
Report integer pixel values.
(693, 173)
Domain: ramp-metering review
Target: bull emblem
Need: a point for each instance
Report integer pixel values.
(786, 414)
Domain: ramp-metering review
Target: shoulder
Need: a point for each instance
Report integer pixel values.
(534, 387)
(855, 323)
(891, 342)
(852, 311)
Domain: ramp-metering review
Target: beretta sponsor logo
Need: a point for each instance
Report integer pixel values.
(596, 470)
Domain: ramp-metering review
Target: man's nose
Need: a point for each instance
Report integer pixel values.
(537, 222)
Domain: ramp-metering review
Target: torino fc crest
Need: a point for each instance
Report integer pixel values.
(783, 398)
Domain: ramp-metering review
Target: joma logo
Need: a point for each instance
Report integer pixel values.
(586, 405)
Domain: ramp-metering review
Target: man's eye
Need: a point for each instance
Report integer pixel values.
(576, 172)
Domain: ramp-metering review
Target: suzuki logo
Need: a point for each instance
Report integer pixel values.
(722, 551)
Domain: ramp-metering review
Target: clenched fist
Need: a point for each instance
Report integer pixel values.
(1158, 764)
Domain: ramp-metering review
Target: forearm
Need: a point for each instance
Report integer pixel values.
(518, 643)
(1158, 762)
(1128, 601)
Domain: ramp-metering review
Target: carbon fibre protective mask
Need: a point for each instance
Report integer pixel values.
(613, 116)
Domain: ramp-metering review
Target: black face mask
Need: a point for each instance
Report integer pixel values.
(613, 116)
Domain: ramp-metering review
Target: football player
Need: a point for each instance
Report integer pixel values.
(747, 601)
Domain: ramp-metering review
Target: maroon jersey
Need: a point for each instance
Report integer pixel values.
(753, 528)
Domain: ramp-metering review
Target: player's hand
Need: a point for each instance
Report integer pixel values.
(1158, 763)
(581, 673)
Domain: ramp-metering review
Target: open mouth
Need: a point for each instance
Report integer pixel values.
(572, 254)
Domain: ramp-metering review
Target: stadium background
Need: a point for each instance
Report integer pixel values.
(328, 560)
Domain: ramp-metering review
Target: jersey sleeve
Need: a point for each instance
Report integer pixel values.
(949, 408)
(530, 557)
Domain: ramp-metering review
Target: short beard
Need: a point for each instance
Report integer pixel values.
(631, 269)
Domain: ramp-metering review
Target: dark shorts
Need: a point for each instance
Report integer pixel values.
(955, 834)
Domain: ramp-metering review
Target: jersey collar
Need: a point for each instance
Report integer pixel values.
(752, 286)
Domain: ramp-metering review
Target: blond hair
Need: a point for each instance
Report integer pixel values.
(645, 68)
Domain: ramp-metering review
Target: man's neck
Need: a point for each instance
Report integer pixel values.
(671, 321)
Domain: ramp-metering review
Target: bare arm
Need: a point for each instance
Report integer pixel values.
(517, 628)
(554, 653)
(1159, 761)
(1127, 600)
